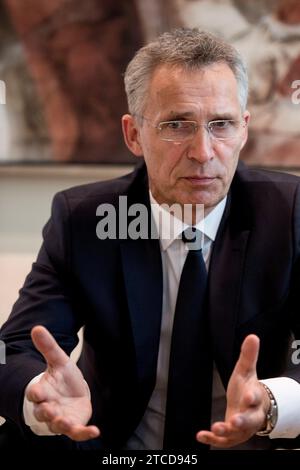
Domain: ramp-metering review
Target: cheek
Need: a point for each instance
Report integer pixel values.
(167, 160)
(229, 156)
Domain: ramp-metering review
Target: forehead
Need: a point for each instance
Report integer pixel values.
(211, 89)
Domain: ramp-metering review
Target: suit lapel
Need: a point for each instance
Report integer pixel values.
(143, 281)
(226, 273)
(142, 268)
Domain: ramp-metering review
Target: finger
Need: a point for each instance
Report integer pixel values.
(246, 364)
(250, 421)
(226, 434)
(231, 428)
(252, 398)
(45, 412)
(76, 432)
(36, 393)
(84, 433)
(209, 438)
(48, 347)
(222, 428)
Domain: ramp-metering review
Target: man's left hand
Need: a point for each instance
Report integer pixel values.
(247, 402)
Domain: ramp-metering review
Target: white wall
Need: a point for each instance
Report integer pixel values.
(25, 201)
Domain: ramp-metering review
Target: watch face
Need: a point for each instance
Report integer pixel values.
(273, 413)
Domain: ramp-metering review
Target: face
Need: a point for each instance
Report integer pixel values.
(200, 170)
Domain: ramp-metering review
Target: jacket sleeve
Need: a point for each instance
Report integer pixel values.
(294, 304)
(45, 299)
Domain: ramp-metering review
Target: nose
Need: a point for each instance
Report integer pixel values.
(200, 147)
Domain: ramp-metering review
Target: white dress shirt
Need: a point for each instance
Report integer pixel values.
(149, 433)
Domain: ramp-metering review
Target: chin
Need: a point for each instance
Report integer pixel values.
(201, 198)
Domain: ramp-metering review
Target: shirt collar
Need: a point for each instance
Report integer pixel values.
(170, 227)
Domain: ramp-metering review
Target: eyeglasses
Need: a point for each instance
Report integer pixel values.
(181, 131)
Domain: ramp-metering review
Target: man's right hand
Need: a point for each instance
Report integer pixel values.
(61, 397)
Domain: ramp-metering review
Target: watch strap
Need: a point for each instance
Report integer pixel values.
(272, 414)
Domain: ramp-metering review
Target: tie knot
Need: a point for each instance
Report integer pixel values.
(193, 238)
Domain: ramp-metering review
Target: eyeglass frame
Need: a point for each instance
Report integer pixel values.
(196, 127)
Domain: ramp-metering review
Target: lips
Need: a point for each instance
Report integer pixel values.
(202, 177)
(199, 181)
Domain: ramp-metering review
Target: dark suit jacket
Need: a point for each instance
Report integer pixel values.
(114, 289)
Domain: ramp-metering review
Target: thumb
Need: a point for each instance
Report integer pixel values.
(48, 347)
(246, 364)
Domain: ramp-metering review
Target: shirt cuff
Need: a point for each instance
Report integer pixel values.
(286, 392)
(41, 429)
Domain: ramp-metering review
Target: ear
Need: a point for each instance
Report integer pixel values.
(246, 117)
(131, 135)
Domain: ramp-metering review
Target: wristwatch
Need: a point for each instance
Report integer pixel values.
(272, 414)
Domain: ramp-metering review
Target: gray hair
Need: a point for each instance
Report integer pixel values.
(190, 49)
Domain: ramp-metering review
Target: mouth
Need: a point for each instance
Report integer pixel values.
(200, 180)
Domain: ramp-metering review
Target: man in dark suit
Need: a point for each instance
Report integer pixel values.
(187, 95)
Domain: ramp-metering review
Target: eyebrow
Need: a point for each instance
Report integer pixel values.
(223, 117)
(190, 116)
(178, 116)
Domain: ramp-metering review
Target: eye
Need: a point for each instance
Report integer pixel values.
(176, 130)
(175, 125)
(223, 128)
(221, 124)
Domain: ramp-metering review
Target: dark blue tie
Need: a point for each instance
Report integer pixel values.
(190, 370)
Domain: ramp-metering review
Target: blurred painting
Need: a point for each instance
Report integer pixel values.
(62, 63)
(267, 33)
